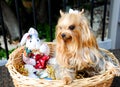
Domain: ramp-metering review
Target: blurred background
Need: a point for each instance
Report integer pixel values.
(17, 16)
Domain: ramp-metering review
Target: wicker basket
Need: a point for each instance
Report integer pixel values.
(19, 80)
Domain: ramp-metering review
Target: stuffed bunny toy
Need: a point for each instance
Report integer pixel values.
(32, 42)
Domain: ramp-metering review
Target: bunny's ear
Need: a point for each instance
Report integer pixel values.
(32, 31)
(24, 38)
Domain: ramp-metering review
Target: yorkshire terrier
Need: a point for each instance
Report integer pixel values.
(77, 48)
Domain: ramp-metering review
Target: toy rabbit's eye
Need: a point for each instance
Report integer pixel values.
(30, 41)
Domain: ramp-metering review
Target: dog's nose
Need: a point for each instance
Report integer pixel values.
(63, 35)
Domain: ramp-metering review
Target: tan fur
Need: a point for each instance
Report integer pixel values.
(78, 50)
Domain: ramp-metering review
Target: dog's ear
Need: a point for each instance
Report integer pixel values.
(81, 12)
(61, 13)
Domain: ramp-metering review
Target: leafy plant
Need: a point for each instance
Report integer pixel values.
(44, 32)
(3, 53)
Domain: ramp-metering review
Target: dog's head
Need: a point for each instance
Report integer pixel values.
(73, 29)
(73, 33)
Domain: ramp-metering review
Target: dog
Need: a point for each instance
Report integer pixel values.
(77, 48)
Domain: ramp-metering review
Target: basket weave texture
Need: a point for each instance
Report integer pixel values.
(19, 80)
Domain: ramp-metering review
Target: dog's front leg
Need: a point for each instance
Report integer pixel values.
(65, 74)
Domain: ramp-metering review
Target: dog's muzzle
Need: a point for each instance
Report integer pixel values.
(63, 35)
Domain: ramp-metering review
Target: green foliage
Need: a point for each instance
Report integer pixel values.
(3, 53)
(10, 51)
(44, 32)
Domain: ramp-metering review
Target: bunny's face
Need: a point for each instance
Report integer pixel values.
(33, 42)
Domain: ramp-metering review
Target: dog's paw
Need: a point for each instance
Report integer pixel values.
(67, 80)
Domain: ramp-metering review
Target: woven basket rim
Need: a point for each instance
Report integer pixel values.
(85, 82)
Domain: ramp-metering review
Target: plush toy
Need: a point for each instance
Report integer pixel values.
(32, 42)
(36, 53)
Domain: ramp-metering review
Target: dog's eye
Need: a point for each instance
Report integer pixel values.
(72, 27)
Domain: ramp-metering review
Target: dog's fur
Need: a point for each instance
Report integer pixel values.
(77, 49)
